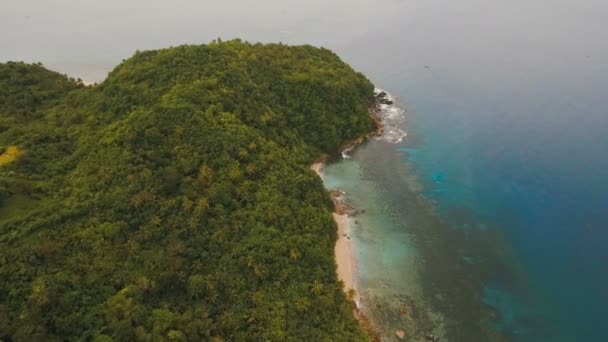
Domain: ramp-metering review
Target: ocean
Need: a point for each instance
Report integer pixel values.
(473, 237)
(488, 221)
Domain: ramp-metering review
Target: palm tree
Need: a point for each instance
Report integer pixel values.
(179, 131)
(294, 254)
(205, 174)
(187, 205)
(351, 294)
(155, 221)
(302, 304)
(317, 287)
(259, 271)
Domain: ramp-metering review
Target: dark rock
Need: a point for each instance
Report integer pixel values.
(382, 98)
(432, 338)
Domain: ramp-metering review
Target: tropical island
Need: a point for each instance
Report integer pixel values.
(174, 200)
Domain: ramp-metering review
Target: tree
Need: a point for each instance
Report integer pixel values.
(182, 155)
(317, 287)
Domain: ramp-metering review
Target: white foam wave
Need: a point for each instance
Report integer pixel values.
(393, 118)
(346, 151)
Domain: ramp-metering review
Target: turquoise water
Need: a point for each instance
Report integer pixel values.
(387, 261)
(537, 174)
(414, 272)
(479, 237)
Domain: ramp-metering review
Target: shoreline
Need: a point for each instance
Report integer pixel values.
(345, 259)
(346, 263)
(343, 251)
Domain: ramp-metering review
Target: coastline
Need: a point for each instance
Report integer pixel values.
(343, 250)
(346, 263)
(345, 259)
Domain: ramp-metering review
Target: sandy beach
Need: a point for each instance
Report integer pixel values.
(344, 253)
(317, 167)
(343, 249)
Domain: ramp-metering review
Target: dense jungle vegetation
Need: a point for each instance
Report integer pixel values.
(174, 201)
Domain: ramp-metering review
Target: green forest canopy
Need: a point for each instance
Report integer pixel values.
(174, 200)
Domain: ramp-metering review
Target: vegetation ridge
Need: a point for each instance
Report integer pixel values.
(174, 200)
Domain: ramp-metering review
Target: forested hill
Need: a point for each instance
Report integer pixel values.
(173, 201)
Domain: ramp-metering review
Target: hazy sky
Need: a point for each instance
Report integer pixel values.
(85, 33)
(88, 37)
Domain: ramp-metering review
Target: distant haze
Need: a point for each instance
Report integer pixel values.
(87, 38)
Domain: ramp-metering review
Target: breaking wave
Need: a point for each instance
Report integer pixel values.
(393, 118)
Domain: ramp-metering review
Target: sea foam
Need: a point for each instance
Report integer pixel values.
(393, 118)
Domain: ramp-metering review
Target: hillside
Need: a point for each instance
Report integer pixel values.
(173, 201)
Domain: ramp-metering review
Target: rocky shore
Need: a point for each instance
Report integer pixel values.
(345, 261)
(377, 124)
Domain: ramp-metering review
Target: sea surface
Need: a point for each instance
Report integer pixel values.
(488, 221)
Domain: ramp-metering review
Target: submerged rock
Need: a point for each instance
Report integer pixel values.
(432, 338)
(340, 204)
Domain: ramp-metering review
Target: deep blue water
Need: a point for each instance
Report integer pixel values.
(508, 130)
(518, 195)
(536, 168)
